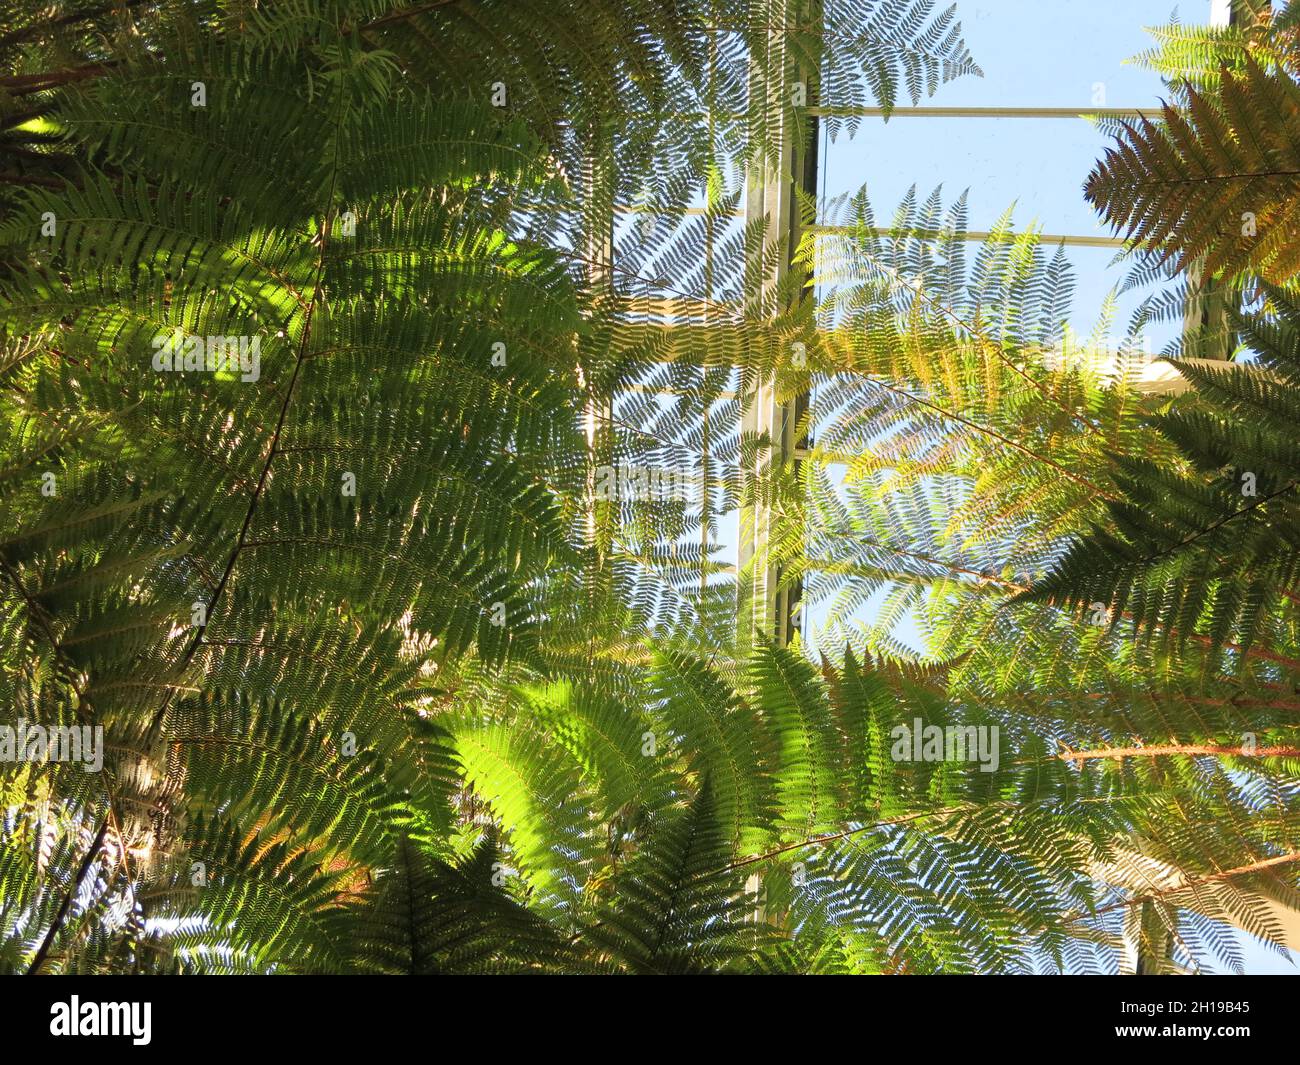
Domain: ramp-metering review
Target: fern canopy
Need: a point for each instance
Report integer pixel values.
(314, 371)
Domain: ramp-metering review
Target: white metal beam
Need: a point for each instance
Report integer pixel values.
(772, 207)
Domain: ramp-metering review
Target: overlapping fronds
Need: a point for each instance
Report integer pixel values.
(1262, 30)
(926, 512)
(961, 429)
(253, 435)
(370, 398)
(1208, 552)
(1215, 179)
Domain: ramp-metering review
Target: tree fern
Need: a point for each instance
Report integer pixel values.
(384, 689)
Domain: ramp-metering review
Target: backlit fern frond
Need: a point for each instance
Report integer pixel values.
(1215, 178)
